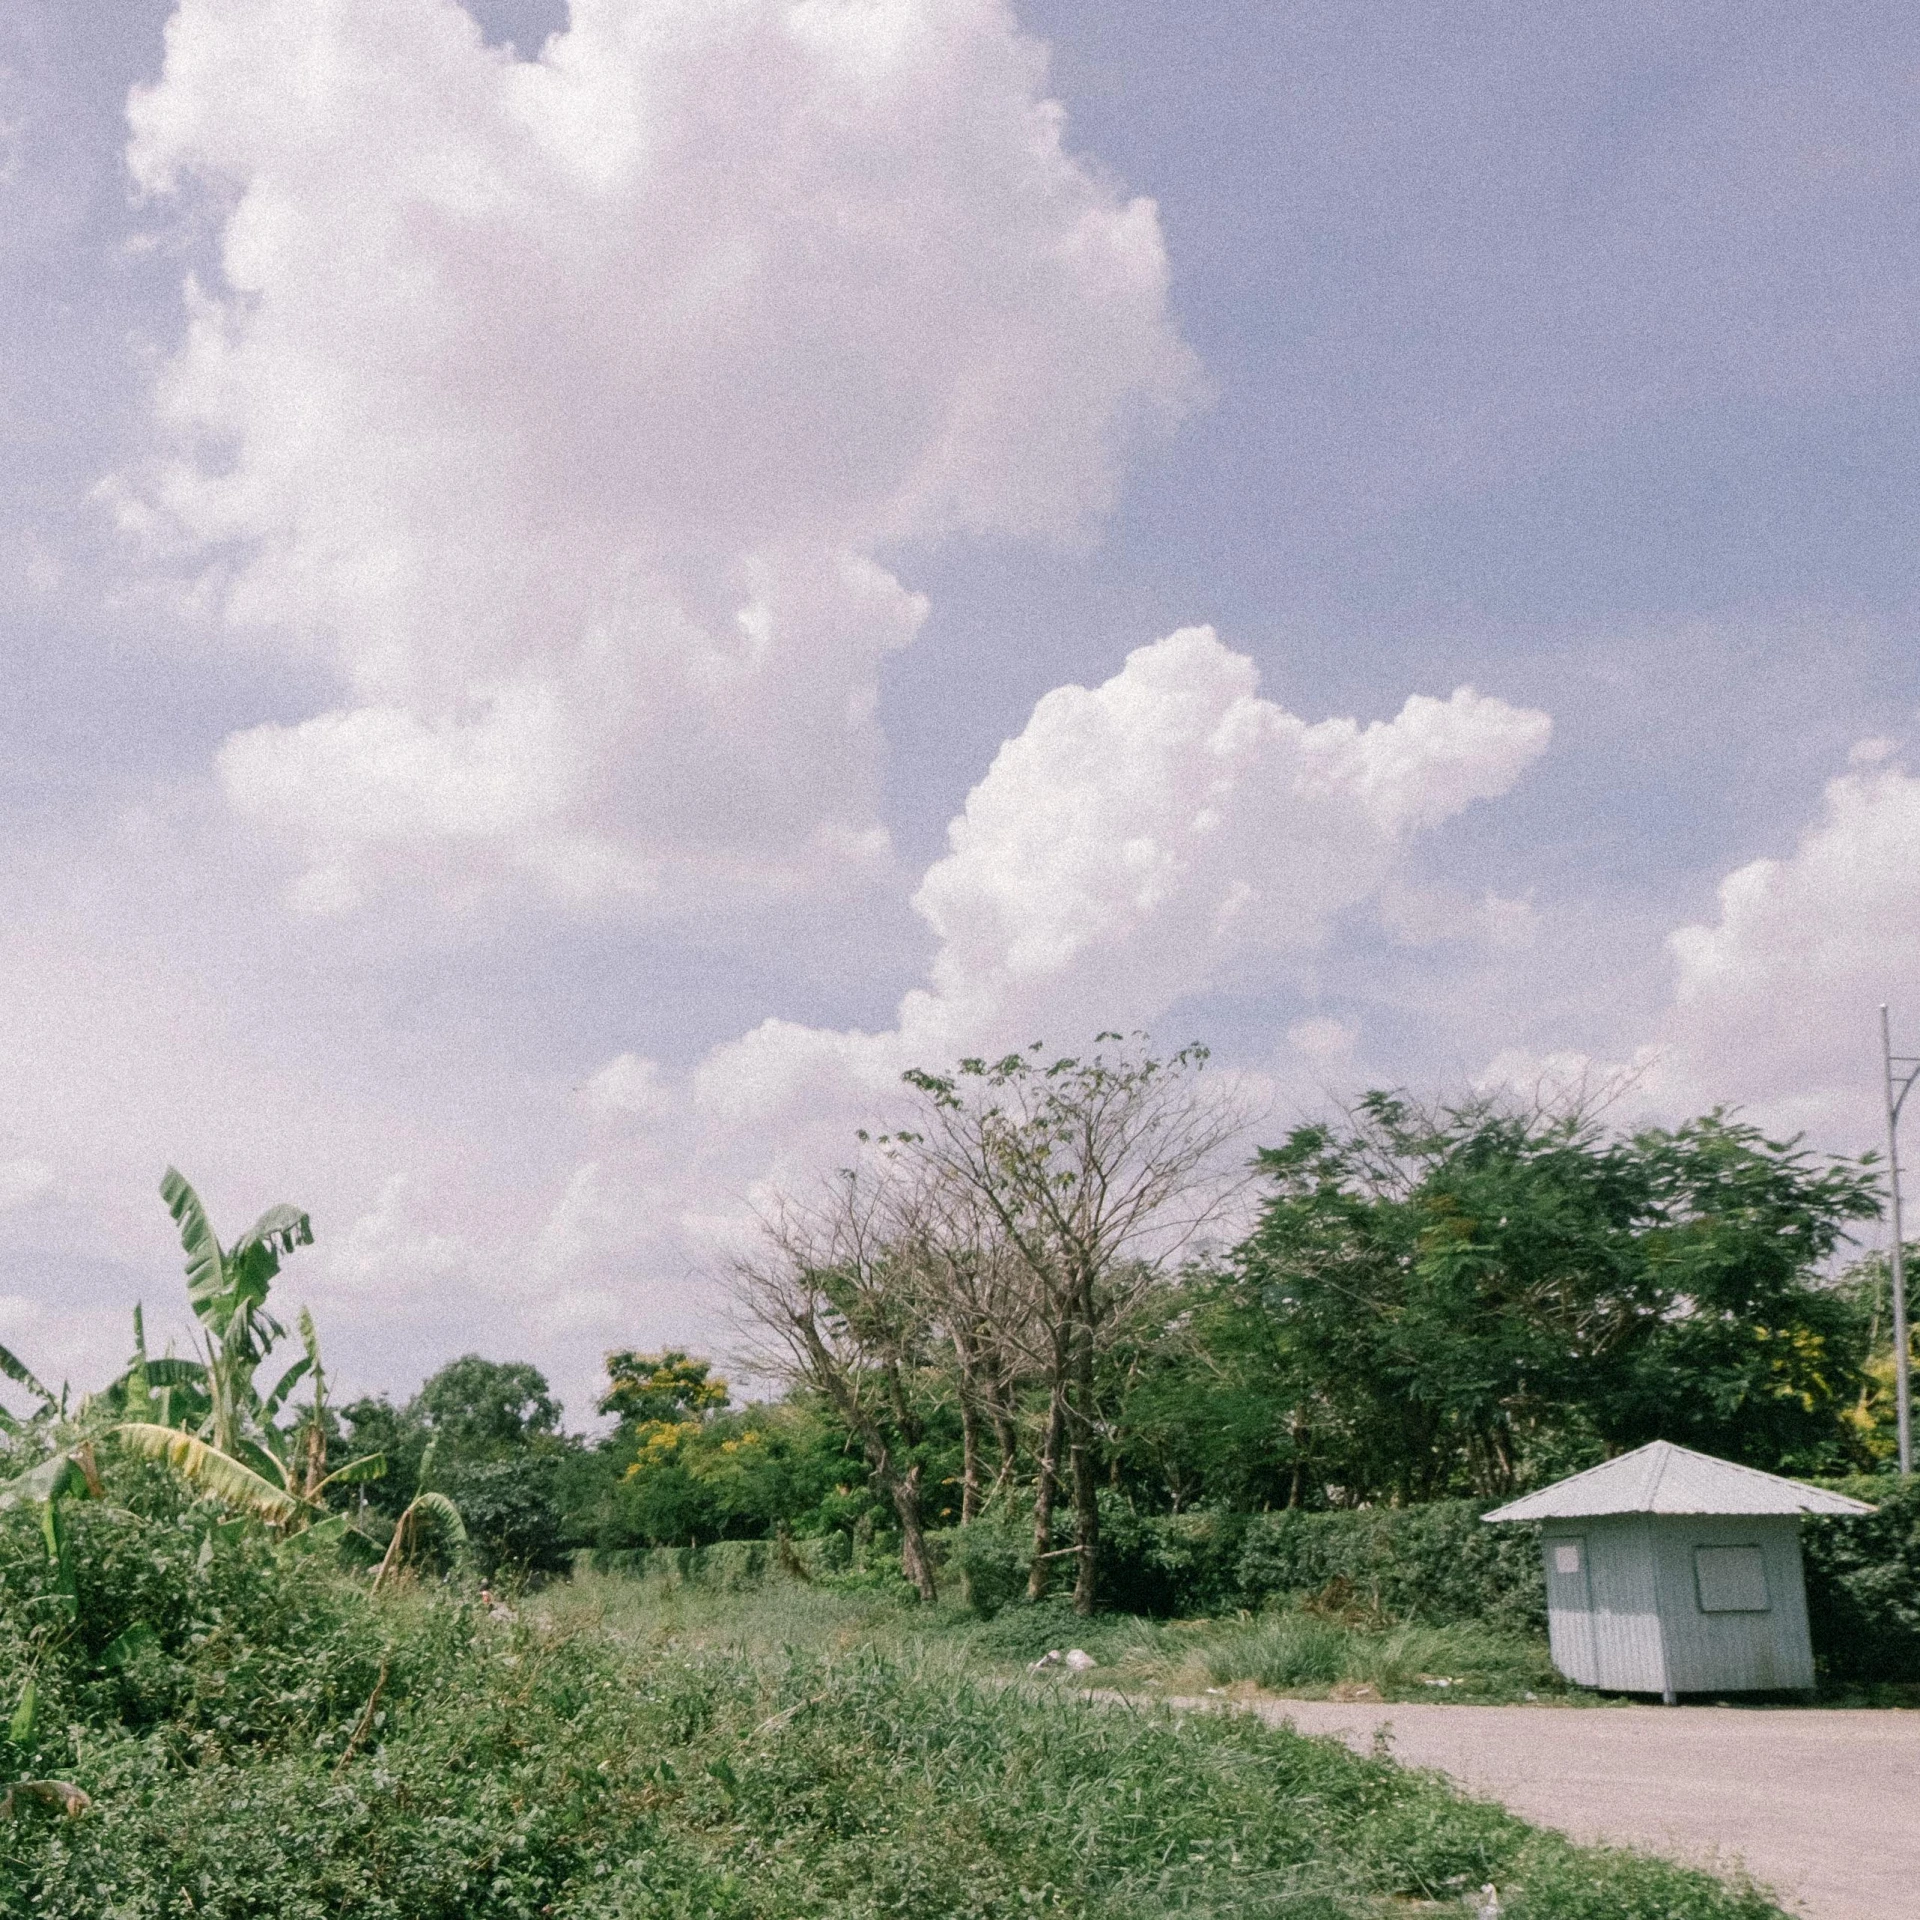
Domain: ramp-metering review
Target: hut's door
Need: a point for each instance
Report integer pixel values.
(1570, 1606)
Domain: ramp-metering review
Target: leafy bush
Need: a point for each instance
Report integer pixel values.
(512, 1513)
(1170, 1564)
(1434, 1564)
(1863, 1584)
(991, 1558)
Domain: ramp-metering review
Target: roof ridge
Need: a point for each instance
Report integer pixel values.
(1662, 1451)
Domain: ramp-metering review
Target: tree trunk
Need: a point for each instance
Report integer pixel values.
(969, 1436)
(902, 1490)
(915, 1562)
(1085, 1475)
(1044, 1481)
(1007, 1437)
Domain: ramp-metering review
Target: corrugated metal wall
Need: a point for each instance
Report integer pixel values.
(1624, 1603)
(1758, 1648)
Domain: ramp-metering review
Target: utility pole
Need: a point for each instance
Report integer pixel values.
(1900, 1070)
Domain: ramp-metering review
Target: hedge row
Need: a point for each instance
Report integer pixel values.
(1435, 1564)
(1863, 1584)
(1440, 1563)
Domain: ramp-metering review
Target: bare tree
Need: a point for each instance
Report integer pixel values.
(1094, 1173)
(832, 1286)
(977, 1293)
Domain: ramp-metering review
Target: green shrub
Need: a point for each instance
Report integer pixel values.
(1863, 1584)
(992, 1558)
(512, 1513)
(1433, 1564)
(1176, 1564)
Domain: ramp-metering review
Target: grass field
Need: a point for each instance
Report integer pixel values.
(617, 1752)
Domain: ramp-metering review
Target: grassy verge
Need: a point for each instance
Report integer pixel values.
(1290, 1651)
(616, 1753)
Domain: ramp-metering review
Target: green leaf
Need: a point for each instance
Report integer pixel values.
(20, 1727)
(55, 1531)
(443, 1516)
(322, 1536)
(16, 1369)
(51, 1479)
(127, 1647)
(425, 1513)
(176, 1373)
(265, 1464)
(207, 1289)
(255, 1257)
(210, 1471)
(286, 1384)
(370, 1466)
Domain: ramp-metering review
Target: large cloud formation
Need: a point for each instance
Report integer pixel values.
(1776, 1001)
(1138, 842)
(1773, 1003)
(567, 406)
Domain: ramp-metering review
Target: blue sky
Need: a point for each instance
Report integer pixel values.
(512, 569)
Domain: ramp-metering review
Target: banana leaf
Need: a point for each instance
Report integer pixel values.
(177, 1373)
(287, 1382)
(58, 1475)
(269, 1466)
(17, 1370)
(426, 1513)
(20, 1727)
(210, 1471)
(207, 1290)
(370, 1466)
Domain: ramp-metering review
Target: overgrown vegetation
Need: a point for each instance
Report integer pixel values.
(282, 1742)
(249, 1673)
(1002, 1316)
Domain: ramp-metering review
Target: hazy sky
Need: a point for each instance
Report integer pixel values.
(581, 587)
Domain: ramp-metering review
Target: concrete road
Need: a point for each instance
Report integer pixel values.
(1821, 1804)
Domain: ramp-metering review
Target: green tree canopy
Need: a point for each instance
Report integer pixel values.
(487, 1407)
(643, 1387)
(1468, 1297)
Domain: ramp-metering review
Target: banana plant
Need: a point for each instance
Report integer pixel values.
(224, 1438)
(227, 1289)
(60, 1794)
(69, 1471)
(426, 1514)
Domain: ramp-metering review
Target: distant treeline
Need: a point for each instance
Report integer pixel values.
(1008, 1317)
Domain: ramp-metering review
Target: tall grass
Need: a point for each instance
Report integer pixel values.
(1291, 1651)
(610, 1753)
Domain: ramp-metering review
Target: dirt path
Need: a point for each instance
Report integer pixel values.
(1823, 1805)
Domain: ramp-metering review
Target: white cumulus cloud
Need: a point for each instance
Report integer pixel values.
(566, 405)
(1777, 999)
(1774, 1002)
(1137, 842)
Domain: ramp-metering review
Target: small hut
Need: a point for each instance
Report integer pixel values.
(1671, 1572)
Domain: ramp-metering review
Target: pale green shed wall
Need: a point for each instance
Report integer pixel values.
(1632, 1621)
(1733, 1652)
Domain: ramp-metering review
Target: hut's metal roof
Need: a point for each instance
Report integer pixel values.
(1663, 1478)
